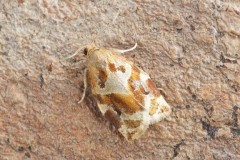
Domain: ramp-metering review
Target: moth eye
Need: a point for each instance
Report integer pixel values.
(85, 51)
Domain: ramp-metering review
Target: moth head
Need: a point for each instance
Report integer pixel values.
(85, 51)
(88, 50)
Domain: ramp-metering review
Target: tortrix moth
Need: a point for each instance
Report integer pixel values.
(125, 94)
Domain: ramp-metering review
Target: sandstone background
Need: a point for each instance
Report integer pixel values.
(190, 48)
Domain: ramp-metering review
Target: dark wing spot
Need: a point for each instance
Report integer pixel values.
(137, 89)
(122, 69)
(112, 67)
(102, 75)
(130, 134)
(132, 123)
(152, 88)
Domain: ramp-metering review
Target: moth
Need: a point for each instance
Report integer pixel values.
(125, 94)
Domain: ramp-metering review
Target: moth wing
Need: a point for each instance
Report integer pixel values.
(126, 95)
(146, 94)
(131, 126)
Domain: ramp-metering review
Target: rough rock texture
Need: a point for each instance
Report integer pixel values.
(191, 49)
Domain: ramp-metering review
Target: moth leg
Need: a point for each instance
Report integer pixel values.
(126, 50)
(85, 85)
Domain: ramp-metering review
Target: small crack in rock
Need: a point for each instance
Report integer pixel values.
(176, 148)
(211, 130)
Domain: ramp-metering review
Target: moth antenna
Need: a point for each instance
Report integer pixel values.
(85, 86)
(126, 50)
(74, 54)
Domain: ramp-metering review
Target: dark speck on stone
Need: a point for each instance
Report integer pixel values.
(20, 148)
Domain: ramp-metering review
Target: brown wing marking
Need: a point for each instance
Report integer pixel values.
(132, 123)
(152, 88)
(102, 76)
(113, 68)
(136, 87)
(113, 117)
(125, 102)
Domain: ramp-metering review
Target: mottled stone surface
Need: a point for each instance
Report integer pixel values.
(191, 49)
